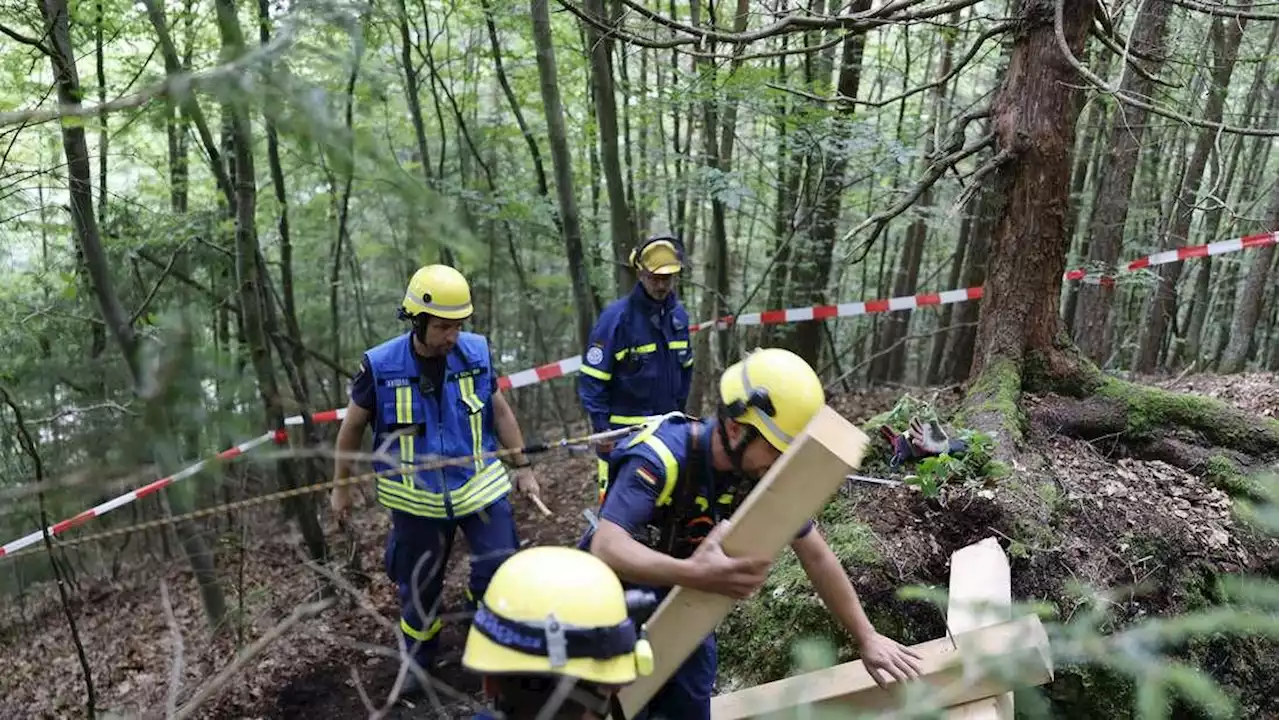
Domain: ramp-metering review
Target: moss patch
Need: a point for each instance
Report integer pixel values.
(1150, 409)
(996, 392)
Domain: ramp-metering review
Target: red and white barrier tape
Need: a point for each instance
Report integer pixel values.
(568, 366)
(132, 495)
(1221, 247)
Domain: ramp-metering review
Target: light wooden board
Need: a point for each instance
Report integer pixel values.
(850, 686)
(980, 594)
(794, 489)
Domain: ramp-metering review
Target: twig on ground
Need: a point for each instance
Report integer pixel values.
(175, 670)
(211, 688)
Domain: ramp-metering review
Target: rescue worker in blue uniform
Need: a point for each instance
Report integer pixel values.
(554, 629)
(675, 481)
(432, 393)
(638, 361)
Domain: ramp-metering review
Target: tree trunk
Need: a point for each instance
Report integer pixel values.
(282, 224)
(620, 219)
(585, 300)
(1163, 303)
(251, 284)
(1245, 323)
(1019, 308)
(1092, 321)
(80, 189)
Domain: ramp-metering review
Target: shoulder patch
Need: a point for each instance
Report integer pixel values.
(595, 355)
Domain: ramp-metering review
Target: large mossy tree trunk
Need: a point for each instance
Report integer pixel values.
(1021, 344)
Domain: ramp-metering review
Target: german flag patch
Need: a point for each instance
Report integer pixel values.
(647, 476)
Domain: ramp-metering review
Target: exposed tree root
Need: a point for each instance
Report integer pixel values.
(1199, 434)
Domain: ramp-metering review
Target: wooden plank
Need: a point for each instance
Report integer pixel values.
(981, 594)
(794, 489)
(850, 686)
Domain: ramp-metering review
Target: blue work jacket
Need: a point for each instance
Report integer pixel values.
(457, 424)
(664, 491)
(638, 361)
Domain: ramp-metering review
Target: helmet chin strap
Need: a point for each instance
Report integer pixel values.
(736, 451)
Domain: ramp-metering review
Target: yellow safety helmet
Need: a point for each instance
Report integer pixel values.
(557, 610)
(660, 255)
(437, 290)
(773, 390)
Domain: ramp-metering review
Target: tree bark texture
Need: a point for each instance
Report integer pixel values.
(1019, 309)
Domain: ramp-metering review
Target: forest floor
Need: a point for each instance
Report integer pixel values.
(313, 670)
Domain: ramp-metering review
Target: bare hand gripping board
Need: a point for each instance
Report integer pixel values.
(950, 671)
(794, 489)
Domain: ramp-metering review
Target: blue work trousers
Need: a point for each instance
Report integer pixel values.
(417, 556)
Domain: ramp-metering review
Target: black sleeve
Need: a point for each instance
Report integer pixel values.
(362, 387)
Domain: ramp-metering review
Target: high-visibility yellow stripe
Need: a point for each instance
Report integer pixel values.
(404, 415)
(702, 503)
(421, 635)
(672, 468)
(725, 499)
(467, 389)
(630, 419)
(678, 344)
(638, 349)
(597, 374)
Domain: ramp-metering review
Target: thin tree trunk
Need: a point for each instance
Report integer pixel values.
(620, 220)
(1226, 44)
(1245, 323)
(251, 284)
(1092, 320)
(585, 300)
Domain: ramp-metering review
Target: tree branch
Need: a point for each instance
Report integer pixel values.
(877, 17)
(1101, 85)
(174, 87)
(211, 688)
(146, 302)
(25, 40)
(1128, 55)
(935, 171)
(1223, 11)
(29, 446)
(968, 57)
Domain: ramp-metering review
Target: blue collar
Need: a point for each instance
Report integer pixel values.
(641, 300)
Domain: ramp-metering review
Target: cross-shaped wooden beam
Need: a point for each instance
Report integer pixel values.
(979, 625)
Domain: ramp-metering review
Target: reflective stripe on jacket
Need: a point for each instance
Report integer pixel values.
(458, 423)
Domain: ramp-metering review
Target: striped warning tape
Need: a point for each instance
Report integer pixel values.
(568, 366)
(9, 548)
(1221, 247)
